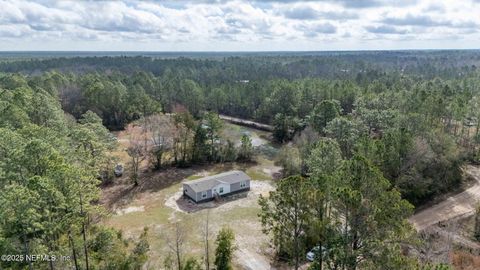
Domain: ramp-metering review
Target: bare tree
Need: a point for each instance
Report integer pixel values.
(137, 149)
(162, 130)
(176, 243)
(182, 143)
(305, 141)
(206, 242)
(183, 137)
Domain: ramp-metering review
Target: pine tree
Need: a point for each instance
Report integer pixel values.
(224, 251)
(285, 215)
(246, 148)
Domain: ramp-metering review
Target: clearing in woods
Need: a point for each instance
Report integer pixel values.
(154, 204)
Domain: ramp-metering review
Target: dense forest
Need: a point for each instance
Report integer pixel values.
(392, 127)
(49, 165)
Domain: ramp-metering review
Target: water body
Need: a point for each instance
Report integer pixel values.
(261, 140)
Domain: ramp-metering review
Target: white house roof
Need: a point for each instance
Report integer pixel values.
(210, 182)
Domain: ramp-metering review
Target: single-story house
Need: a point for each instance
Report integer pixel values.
(207, 188)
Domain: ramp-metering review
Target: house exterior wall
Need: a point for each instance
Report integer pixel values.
(201, 199)
(188, 191)
(226, 189)
(236, 186)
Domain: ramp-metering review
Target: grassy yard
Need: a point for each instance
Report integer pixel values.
(150, 206)
(241, 215)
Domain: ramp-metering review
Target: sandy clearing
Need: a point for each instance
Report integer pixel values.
(272, 170)
(172, 201)
(460, 204)
(130, 209)
(248, 255)
(257, 188)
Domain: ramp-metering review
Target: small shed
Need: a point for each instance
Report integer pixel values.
(207, 188)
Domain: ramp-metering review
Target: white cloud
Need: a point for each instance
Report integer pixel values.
(237, 25)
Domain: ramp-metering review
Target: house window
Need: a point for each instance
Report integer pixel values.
(204, 194)
(243, 184)
(220, 190)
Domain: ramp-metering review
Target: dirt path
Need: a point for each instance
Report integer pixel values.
(463, 203)
(249, 257)
(252, 261)
(248, 123)
(456, 238)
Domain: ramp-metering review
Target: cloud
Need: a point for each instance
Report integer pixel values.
(417, 20)
(385, 29)
(302, 13)
(310, 13)
(377, 3)
(464, 24)
(435, 7)
(11, 31)
(426, 21)
(314, 30)
(119, 17)
(325, 28)
(233, 24)
(345, 3)
(363, 3)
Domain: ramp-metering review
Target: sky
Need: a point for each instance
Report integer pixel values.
(234, 25)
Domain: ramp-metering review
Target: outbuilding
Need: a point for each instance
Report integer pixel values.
(207, 188)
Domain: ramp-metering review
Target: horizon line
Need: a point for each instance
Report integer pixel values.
(245, 51)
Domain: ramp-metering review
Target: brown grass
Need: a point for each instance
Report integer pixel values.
(462, 260)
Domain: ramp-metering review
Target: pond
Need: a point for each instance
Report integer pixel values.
(261, 140)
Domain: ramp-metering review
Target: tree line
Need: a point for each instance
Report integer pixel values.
(207, 68)
(422, 130)
(50, 164)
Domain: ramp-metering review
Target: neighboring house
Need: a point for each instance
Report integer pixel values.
(207, 188)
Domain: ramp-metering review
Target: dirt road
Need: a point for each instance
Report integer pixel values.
(453, 236)
(463, 203)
